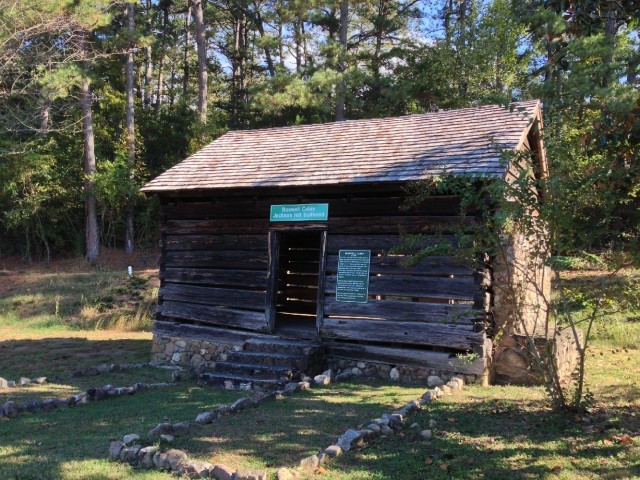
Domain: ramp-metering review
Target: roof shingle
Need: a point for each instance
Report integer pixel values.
(406, 148)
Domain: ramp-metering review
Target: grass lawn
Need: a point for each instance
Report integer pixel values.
(50, 324)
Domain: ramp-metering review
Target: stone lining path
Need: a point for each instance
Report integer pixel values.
(130, 450)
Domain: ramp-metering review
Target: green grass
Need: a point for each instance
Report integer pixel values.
(46, 302)
(49, 323)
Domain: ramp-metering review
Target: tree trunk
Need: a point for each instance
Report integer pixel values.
(201, 44)
(92, 236)
(257, 20)
(165, 25)
(341, 90)
(148, 64)
(187, 35)
(131, 134)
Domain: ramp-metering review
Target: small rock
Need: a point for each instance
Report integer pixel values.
(284, 474)
(412, 406)
(394, 374)
(244, 474)
(145, 456)
(329, 373)
(130, 454)
(344, 376)
(160, 460)
(291, 388)
(4, 383)
(333, 451)
(426, 398)
(32, 406)
(356, 371)
(456, 383)
(206, 417)
(221, 472)
(176, 376)
(129, 439)
(174, 457)
(245, 387)
(432, 423)
(322, 380)
(362, 365)
(160, 429)
(310, 463)
(347, 440)
(434, 381)
(24, 381)
(115, 448)
(374, 426)
(446, 389)
(49, 404)
(181, 428)
(304, 386)
(39, 380)
(176, 357)
(167, 438)
(11, 383)
(104, 368)
(241, 404)
(415, 426)
(426, 434)
(10, 409)
(197, 468)
(386, 430)
(228, 385)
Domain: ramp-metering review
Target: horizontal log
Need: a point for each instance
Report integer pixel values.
(446, 361)
(209, 333)
(458, 288)
(353, 206)
(217, 227)
(383, 243)
(393, 265)
(393, 310)
(218, 277)
(394, 224)
(246, 319)
(218, 259)
(409, 333)
(213, 296)
(215, 242)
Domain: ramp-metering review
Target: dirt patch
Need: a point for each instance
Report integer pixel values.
(15, 272)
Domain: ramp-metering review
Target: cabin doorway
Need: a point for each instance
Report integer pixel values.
(299, 261)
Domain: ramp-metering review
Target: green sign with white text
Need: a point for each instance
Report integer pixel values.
(352, 284)
(306, 212)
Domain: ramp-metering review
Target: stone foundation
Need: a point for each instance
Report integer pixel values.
(514, 365)
(189, 352)
(404, 374)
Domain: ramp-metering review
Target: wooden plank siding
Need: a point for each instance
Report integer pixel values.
(216, 259)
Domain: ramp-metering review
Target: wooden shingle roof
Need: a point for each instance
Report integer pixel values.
(413, 147)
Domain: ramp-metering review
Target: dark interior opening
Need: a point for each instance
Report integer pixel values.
(298, 274)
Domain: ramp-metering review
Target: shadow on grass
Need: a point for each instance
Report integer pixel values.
(494, 440)
(59, 357)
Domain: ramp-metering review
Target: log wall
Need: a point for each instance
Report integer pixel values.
(215, 268)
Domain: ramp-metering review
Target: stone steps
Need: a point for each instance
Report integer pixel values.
(267, 363)
(258, 371)
(291, 360)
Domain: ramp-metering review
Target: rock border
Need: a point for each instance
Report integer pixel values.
(11, 409)
(179, 463)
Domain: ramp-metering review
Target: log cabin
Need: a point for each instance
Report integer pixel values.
(276, 250)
